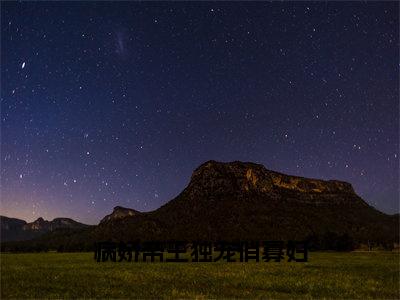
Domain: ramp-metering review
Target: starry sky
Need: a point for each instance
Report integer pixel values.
(116, 103)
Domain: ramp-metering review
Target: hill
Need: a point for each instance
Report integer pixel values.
(246, 201)
(238, 200)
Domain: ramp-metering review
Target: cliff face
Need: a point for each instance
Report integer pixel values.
(214, 177)
(241, 177)
(120, 212)
(241, 180)
(38, 224)
(306, 185)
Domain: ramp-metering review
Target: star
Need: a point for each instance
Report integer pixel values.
(125, 109)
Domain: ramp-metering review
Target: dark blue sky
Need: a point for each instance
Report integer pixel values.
(115, 103)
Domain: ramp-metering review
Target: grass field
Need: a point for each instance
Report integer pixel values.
(77, 275)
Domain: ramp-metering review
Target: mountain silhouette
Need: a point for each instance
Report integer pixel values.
(240, 200)
(246, 201)
(17, 230)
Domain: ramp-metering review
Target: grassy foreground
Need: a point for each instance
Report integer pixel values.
(77, 275)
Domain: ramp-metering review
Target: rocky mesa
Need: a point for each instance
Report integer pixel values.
(242, 200)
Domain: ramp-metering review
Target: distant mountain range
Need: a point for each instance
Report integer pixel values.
(233, 201)
(18, 230)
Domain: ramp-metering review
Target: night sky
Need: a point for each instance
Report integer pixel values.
(116, 103)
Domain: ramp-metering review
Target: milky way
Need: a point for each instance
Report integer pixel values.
(106, 104)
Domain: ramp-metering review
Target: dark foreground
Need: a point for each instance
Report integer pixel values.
(327, 275)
